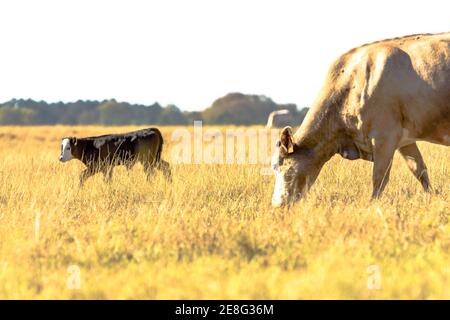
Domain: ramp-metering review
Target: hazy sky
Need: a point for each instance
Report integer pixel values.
(190, 52)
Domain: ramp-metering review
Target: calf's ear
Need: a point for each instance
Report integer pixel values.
(286, 140)
(74, 141)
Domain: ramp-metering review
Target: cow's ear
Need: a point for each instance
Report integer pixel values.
(74, 141)
(286, 140)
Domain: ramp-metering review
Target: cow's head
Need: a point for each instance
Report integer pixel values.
(295, 169)
(67, 148)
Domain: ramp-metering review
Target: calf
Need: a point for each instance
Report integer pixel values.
(102, 153)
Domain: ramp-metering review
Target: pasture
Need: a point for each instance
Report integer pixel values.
(212, 233)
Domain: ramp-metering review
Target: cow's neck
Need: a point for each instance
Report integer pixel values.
(320, 130)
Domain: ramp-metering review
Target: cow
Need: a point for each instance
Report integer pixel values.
(103, 153)
(279, 119)
(376, 99)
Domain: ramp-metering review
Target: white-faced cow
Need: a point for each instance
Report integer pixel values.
(279, 119)
(102, 153)
(376, 99)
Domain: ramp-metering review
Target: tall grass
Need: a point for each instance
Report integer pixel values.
(212, 233)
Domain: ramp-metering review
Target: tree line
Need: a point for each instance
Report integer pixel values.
(234, 108)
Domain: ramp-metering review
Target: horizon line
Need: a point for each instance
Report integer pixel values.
(152, 104)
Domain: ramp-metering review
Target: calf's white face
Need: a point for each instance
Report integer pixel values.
(66, 151)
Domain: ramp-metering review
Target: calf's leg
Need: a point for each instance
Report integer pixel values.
(86, 173)
(129, 166)
(149, 169)
(164, 167)
(107, 173)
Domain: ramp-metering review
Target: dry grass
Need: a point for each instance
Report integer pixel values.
(212, 233)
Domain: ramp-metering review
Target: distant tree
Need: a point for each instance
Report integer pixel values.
(193, 116)
(17, 116)
(234, 108)
(114, 113)
(146, 114)
(88, 117)
(172, 115)
(302, 114)
(241, 109)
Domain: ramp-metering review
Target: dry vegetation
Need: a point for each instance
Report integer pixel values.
(212, 233)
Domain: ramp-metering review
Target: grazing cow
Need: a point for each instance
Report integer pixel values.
(376, 99)
(102, 153)
(279, 119)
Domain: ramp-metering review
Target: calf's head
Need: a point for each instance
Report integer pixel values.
(68, 146)
(295, 170)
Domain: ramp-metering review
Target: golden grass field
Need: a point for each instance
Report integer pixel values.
(212, 233)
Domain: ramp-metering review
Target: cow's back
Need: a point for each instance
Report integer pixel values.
(427, 105)
(406, 79)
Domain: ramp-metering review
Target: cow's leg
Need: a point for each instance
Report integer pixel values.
(414, 160)
(384, 149)
(164, 167)
(86, 173)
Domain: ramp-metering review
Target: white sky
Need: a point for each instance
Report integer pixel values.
(190, 52)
